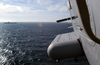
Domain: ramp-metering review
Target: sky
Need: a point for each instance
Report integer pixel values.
(33, 10)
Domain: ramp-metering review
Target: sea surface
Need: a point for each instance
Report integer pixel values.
(27, 43)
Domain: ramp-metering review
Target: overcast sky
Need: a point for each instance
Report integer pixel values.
(33, 10)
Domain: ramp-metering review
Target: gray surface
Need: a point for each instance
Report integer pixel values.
(65, 46)
(65, 37)
(92, 52)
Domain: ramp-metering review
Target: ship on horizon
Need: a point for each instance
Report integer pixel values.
(10, 22)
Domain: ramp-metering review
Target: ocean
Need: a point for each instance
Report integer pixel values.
(26, 43)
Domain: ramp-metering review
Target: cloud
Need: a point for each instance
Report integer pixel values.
(40, 6)
(9, 8)
(44, 2)
(53, 7)
(57, 7)
(64, 8)
(33, 10)
(19, 8)
(28, 1)
(14, 8)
